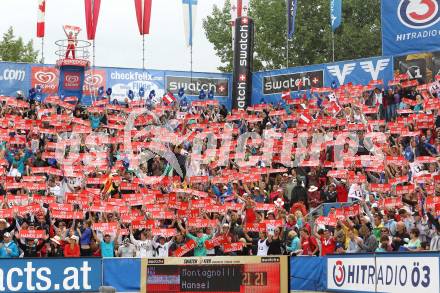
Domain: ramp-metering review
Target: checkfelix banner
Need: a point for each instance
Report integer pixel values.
(335, 13)
(291, 15)
(410, 26)
(243, 59)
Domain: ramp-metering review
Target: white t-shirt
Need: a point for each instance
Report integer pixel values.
(263, 247)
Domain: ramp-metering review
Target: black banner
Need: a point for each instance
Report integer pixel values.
(243, 59)
(293, 81)
(421, 66)
(192, 86)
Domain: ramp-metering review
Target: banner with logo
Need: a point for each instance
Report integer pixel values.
(403, 273)
(121, 80)
(410, 26)
(268, 86)
(71, 82)
(243, 59)
(360, 71)
(14, 77)
(50, 275)
(217, 84)
(422, 66)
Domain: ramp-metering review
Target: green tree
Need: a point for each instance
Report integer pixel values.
(358, 36)
(13, 49)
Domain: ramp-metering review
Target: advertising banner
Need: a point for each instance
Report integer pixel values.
(421, 66)
(243, 60)
(71, 81)
(122, 80)
(360, 71)
(219, 274)
(402, 273)
(410, 26)
(46, 77)
(50, 275)
(14, 77)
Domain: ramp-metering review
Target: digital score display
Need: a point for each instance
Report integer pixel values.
(262, 277)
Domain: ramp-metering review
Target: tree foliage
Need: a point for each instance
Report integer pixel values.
(357, 37)
(15, 50)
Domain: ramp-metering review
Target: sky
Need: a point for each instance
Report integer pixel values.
(118, 43)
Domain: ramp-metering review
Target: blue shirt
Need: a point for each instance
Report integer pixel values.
(94, 121)
(107, 249)
(12, 246)
(294, 245)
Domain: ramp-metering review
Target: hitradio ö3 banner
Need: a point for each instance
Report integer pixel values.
(243, 60)
(410, 26)
(220, 274)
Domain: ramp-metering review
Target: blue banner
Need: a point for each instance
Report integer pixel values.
(410, 26)
(335, 13)
(360, 71)
(50, 275)
(268, 86)
(122, 273)
(306, 273)
(14, 77)
(291, 15)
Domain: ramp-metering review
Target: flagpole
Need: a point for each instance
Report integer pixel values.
(287, 36)
(42, 50)
(333, 45)
(191, 60)
(143, 52)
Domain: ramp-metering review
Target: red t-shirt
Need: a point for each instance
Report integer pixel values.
(308, 245)
(342, 193)
(328, 246)
(69, 252)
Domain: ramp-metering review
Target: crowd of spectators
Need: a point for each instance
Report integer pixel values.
(147, 180)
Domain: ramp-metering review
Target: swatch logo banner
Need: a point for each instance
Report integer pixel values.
(192, 86)
(72, 81)
(293, 82)
(410, 26)
(46, 78)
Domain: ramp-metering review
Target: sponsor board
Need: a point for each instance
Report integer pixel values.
(123, 80)
(13, 77)
(93, 80)
(400, 274)
(422, 66)
(273, 84)
(218, 274)
(243, 59)
(72, 81)
(50, 275)
(46, 77)
(193, 85)
(410, 26)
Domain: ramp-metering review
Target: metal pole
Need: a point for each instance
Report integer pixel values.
(333, 45)
(143, 52)
(287, 36)
(191, 53)
(93, 72)
(42, 50)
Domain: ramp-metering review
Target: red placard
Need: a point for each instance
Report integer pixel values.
(164, 232)
(110, 226)
(188, 246)
(230, 247)
(78, 215)
(256, 227)
(216, 241)
(35, 234)
(72, 80)
(201, 223)
(431, 202)
(143, 224)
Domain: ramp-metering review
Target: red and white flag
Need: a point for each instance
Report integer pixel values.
(285, 95)
(169, 98)
(239, 8)
(40, 18)
(306, 118)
